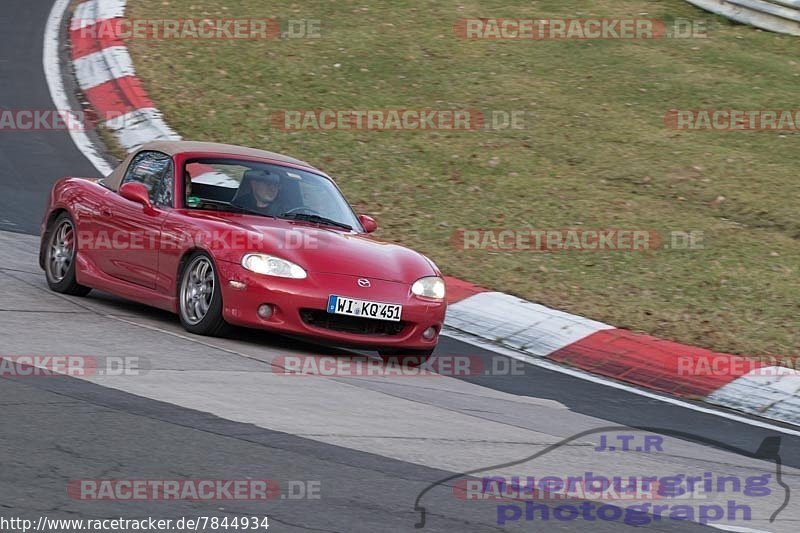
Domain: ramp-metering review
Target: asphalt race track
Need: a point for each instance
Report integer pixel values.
(363, 450)
(30, 160)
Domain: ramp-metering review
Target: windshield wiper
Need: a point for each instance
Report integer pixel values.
(308, 217)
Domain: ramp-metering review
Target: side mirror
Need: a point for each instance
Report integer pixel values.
(368, 222)
(136, 192)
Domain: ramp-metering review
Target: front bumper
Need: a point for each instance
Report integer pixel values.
(293, 299)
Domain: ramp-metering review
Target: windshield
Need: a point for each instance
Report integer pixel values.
(266, 190)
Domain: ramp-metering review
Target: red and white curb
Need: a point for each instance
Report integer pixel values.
(656, 364)
(107, 77)
(105, 74)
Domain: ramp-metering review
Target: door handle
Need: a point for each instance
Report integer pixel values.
(106, 212)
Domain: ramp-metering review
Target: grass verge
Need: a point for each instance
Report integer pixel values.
(594, 153)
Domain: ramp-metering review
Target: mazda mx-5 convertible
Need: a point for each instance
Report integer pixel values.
(224, 235)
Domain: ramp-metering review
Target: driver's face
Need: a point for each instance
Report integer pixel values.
(265, 191)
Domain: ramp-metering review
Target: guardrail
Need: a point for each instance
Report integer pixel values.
(782, 16)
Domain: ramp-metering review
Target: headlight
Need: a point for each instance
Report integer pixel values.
(272, 266)
(430, 287)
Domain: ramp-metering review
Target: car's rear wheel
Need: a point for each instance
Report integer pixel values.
(60, 257)
(200, 297)
(407, 358)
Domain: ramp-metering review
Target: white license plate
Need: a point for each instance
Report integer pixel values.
(339, 305)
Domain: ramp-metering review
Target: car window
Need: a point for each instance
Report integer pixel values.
(222, 183)
(155, 171)
(315, 195)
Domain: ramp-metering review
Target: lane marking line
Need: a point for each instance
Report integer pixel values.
(51, 62)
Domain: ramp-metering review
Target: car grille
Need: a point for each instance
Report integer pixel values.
(350, 324)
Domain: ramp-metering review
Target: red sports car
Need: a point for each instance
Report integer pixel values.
(223, 235)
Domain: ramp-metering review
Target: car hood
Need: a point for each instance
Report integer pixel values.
(327, 250)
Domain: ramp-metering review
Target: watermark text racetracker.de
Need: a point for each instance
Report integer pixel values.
(459, 366)
(733, 120)
(61, 120)
(398, 119)
(144, 239)
(558, 29)
(729, 365)
(575, 240)
(79, 366)
(40, 120)
(193, 489)
(197, 29)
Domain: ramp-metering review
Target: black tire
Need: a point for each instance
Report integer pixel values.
(410, 358)
(210, 322)
(60, 257)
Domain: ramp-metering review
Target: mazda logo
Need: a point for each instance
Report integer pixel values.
(364, 283)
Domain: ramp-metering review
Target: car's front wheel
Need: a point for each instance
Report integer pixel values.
(407, 358)
(200, 297)
(60, 257)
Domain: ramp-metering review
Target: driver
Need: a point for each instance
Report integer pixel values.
(264, 188)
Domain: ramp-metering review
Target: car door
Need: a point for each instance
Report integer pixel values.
(130, 232)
